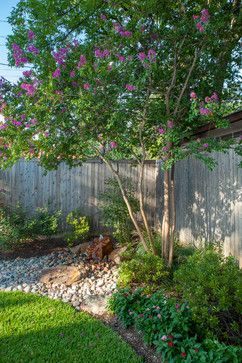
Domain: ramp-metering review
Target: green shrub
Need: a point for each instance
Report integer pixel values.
(80, 227)
(162, 316)
(126, 304)
(211, 284)
(167, 325)
(16, 227)
(144, 269)
(114, 211)
(43, 223)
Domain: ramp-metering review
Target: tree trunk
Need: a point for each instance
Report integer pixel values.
(172, 216)
(166, 216)
(125, 198)
(142, 209)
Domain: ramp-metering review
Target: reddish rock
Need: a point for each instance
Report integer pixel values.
(100, 248)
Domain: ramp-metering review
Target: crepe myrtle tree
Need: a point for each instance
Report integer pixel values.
(120, 79)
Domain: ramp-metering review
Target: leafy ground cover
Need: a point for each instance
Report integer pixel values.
(37, 329)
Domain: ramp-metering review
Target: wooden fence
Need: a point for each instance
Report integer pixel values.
(208, 203)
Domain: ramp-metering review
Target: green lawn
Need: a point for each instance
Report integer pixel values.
(39, 330)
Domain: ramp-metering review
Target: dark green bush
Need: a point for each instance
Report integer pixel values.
(167, 325)
(114, 210)
(16, 227)
(143, 269)
(211, 284)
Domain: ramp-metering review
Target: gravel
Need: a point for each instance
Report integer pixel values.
(98, 284)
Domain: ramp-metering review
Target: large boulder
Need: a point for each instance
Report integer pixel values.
(66, 275)
(116, 255)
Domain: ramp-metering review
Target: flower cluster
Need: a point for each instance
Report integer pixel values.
(29, 88)
(18, 55)
(82, 61)
(32, 49)
(31, 35)
(60, 55)
(151, 56)
(122, 31)
(102, 54)
(201, 20)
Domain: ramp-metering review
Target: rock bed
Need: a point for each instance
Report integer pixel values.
(90, 293)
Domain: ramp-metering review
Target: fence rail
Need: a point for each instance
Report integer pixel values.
(208, 203)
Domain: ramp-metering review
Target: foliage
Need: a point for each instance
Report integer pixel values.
(169, 327)
(116, 80)
(143, 269)
(17, 227)
(37, 329)
(182, 253)
(124, 303)
(43, 223)
(114, 210)
(212, 286)
(80, 226)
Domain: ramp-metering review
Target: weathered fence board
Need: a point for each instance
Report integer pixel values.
(208, 203)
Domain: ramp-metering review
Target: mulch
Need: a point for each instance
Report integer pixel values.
(38, 247)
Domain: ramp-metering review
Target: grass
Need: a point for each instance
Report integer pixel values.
(39, 330)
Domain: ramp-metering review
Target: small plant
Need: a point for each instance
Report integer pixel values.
(127, 304)
(167, 325)
(16, 227)
(114, 211)
(143, 269)
(212, 285)
(80, 227)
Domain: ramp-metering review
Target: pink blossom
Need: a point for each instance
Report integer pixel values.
(193, 95)
(214, 97)
(31, 35)
(23, 117)
(200, 28)
(152, 55)
(195, 17)
(207, 99)
(142, 56)
(27, 73)
(32, 49)
(204, 15)
(82, 61)
(205, 146)
(102, 54)
(110, 67)
(164, 337)
(170, 124)
(29, 88)
(3, 127)
(125, 33)
(72, 74)
(165, 148)
(18, 55)
(46, 133)
(205, 111)
(17, 123)
(103, 17)
(31, 150)
(75, 43)
(120, 57)
(158, 316)
(74, 84)
(130, 87)
(177, 306)
(60, 55)
(113, 144)
(56, 73)
(86, 86)
(33, 121)
(161, 130)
